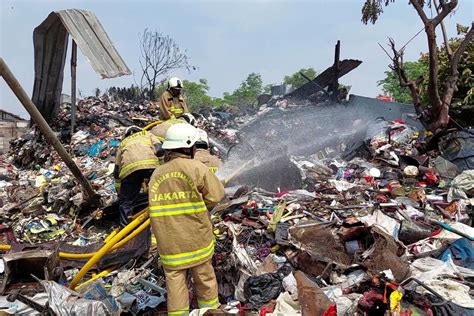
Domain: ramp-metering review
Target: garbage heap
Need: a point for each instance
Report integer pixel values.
(387, 230)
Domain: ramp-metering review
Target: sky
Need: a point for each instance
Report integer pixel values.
(226, 39)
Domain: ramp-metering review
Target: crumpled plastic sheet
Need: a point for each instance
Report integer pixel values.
(239, 251)
(382, 221)
(259, 290)
(286, 306)
(341, 185)
(462, 251)
(460, 185)
(429, 268)
(445, 234)
(435, 274)
(451, 291)
(64, 302)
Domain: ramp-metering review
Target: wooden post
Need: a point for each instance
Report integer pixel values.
(335, 72)
(45, 129)
(73, 85)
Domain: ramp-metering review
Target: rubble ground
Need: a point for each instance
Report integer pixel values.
(387, 229)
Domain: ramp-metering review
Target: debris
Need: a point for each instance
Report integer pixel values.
(326, 236)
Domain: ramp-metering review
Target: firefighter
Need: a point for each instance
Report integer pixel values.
(172, 103)
(136, 160)
(160, 129)
(203, 153)
(180, 193)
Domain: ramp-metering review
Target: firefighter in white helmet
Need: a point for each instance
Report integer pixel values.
(203, 153)
(181, 191)
(172, 103)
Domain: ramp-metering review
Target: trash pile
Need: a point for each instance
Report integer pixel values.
(386, 229)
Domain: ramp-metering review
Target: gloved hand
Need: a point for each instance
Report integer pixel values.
(159, 151)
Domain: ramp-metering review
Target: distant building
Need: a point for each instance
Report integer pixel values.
(11, 126)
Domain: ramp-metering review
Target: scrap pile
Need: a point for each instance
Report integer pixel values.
(390, 232)
(387, 229)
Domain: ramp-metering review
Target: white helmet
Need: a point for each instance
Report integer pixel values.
(181, 135)
(188, 117)
(203, 139)
(175, 83)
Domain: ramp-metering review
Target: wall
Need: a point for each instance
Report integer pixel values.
(11, 130)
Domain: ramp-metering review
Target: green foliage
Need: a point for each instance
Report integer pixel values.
(372, 9)
(196, 94)
(391, 85)
(297, 80)
(245, 96)
(463, 98)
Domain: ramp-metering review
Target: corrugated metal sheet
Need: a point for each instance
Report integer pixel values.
(95, 44)
(50, 40)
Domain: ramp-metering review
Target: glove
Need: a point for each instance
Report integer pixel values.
(159, 151)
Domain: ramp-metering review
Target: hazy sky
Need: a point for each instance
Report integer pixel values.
(227, 40)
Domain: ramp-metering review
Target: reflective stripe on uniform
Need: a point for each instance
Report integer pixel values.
(176, 110)
(137, 137)
(182, 312)
(125, 169)
(214, 303)
(187, 257)
(177, 209)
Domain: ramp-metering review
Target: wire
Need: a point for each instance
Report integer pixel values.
(411, 39)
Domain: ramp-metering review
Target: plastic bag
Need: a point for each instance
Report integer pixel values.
(259, 290)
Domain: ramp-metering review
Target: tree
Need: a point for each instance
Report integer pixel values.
(440, 93)
(297, 80)
(391, 84)
(196, 94)
(159, 55)
(462, 103)
(245, 96)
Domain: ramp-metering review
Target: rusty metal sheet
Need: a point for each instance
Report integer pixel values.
(50, 40)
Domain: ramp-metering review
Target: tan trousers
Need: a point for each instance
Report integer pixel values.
(206, 289)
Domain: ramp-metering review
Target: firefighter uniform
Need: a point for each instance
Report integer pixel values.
(180, 193)
(136, 161)
(211, 161)
(171, 106)
(160, 129)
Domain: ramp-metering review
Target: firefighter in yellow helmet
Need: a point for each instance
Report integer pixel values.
(172, 103)
(203, 153)
(181, 192)
(135, 161)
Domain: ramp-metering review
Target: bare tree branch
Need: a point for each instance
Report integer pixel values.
(159, 56)
(443, 28)
(413, 86)
(419, 9)
(446, 8)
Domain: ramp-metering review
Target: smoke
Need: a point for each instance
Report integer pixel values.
(301, 131)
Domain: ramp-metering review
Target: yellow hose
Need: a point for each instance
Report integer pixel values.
(67, 255)
(5, 247)
(151, 125)
(77, 256)
(95, 277)
(105, 248)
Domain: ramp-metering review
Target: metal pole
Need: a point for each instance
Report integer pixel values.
(44, 127)
(73, 85)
